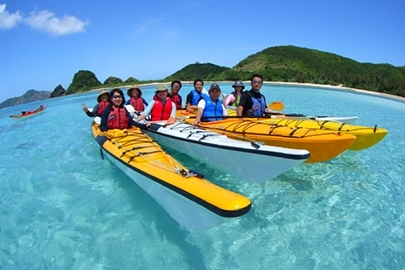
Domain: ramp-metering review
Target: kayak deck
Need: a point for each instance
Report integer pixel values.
(136, 152)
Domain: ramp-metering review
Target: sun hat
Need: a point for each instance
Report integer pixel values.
(161, 87)
(214, 86)
(238, 83)
(102, 92)
(129, 92)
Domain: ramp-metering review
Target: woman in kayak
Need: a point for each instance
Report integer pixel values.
(116, 116)
(102, 100)
(234, 98)
(210, 108)
(161, 107)
(136, 99)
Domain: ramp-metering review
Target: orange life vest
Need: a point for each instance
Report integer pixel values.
(177, 100)
(101, 106)
(117, 118)
(137, 103)
(160, 111)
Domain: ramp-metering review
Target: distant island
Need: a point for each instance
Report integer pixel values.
(279, 64)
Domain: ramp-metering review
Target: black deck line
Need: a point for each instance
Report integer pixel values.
(198, 200)
(236, 149)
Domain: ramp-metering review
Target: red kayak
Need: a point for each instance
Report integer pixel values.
(29, 113)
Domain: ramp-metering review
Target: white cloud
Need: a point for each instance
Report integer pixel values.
(8, 20)
(46, 21)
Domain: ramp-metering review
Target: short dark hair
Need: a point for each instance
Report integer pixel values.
(198, 80)
(256, 75)
(176, 81)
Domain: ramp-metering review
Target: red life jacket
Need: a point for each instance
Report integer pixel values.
(101, 106)
(177, 100)
(117, 118)
(160, 111)
(137, 103)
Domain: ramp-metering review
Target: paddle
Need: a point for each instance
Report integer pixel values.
(276, 106)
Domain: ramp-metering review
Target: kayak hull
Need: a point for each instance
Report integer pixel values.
(365, 136)
(192, 201)
(247, 161)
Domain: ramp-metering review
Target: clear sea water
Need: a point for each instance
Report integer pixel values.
(63, 207)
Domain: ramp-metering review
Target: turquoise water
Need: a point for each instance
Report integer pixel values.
(63, 207)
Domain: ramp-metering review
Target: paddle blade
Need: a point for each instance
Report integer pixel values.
(276, 106)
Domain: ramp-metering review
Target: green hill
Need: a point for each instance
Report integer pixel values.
(191, 72)
(295, 64)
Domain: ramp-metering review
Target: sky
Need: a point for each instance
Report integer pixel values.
(45, 42)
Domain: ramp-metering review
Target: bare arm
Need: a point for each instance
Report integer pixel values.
(197, 120)
(239, 111)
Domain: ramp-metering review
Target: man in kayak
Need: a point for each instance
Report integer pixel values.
(210, 108)
(252, 102)
(102, 103)
(195, 95)
(174, 94)
(161, 107)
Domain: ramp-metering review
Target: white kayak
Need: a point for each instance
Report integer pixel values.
(249, 161)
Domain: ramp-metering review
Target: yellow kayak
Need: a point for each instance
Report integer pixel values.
(192, 201)
(321, 144)
(365, 136)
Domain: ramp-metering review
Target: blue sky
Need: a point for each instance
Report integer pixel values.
(46, 42)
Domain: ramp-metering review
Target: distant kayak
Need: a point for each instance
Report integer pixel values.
(25, 114)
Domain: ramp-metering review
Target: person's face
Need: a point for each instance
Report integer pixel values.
(256, 84)
(104, 97)
(198, 86)
(214, 94)
(162, 95)
(238, 88)
(175, 88)
(116, 99)
(135, 92)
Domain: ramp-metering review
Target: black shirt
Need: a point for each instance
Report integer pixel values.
(246, 101)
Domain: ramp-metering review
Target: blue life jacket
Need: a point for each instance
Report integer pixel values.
(213, 110)
(258, 106)
(196, 97)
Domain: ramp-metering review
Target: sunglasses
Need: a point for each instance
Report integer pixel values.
(116, 97)
(257, 82)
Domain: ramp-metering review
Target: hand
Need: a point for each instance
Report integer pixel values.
(196, 122)
(85, 107)
(170, 121)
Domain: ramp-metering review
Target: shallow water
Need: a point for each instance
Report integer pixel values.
(62, 206)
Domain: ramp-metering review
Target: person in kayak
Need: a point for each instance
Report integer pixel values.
(161, 107)
(195, 95)
(102, 103)
(234, 98)
(210, 108)
(252, 102)
(174, 94)
(116, 116)
(136, 99)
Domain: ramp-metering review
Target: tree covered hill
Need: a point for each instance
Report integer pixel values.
(295, 64)
(191, 72)
(280, 63)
